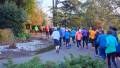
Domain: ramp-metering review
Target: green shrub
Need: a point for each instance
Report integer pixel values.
(83, 62)
(50, 64)
(12, 17)
(23, 35)
(34, 63)
(80, 62)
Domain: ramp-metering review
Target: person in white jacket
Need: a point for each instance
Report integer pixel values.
(56, 37)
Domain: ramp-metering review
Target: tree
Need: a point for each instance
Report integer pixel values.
(73, 10)
(37, 16)
(111, 6)
(12, 17)
(30, 6)
(34, 13)
(90, 11)
(103, 10)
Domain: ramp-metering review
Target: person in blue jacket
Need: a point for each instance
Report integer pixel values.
(62, 33)
(118, 50)
(67, 37)
(101, 40)
(73, 32)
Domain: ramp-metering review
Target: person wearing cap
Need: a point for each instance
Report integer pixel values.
(78, 37)
(56, 37)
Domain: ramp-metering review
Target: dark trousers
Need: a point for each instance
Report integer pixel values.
(85, 41)
(47, 34)
(92, 41)
(61, 41)
(64, 39)
(56, 42)
(111, 56)
(73, 39)
(78, 43)
(102, 52)
(96, 49)
(67, 41)
(117, 54)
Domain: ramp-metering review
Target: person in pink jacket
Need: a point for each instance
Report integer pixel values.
(78, 37)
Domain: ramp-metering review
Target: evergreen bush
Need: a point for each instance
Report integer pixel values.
(12, 17)
(80, 62)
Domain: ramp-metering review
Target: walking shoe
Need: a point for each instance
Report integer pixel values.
(96, 55)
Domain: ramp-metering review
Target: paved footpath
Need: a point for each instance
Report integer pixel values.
(53, 56)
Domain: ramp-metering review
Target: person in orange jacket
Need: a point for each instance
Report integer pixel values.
(78, 37)
(92, 34)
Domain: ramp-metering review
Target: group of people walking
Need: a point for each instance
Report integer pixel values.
(105, 43)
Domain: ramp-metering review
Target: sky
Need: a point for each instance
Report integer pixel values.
(45, 5)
